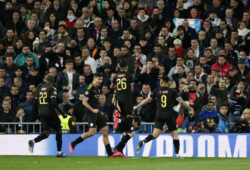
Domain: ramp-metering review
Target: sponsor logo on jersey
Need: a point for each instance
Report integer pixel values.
(164, 92)
(121, 75)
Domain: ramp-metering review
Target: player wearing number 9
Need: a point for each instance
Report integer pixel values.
(166, 99)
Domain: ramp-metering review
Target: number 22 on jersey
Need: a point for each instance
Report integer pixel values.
(163, 101)
(42, 98)
(121, 84)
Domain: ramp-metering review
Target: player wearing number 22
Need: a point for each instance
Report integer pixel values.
(47, 112)
(166, 98)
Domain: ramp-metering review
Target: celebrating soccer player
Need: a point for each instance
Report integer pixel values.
(166, 99)
(47, 106)
(124, 87)
(95, 117)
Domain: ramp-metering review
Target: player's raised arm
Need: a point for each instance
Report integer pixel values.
(184, 104)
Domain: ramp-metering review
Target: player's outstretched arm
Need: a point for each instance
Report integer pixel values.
(184, 104)
(145, 101)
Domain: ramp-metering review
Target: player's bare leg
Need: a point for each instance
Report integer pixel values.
(176, 143)
(72, 145)
(155, 135)
(105, 139)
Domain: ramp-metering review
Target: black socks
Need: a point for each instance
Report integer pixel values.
(122, 143)
(75, 142)
(176, 146)
(108, 149)
(40, 137)
(59, 141)
(148, 138)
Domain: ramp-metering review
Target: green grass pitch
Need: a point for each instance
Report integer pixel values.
(131, 163)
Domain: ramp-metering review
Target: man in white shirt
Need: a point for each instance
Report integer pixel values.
(88, 59)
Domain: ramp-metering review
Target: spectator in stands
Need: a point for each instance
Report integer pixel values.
(208, 112)
(28, 106)
(220, 91)
(6, 115)
(209, 83)
(222, 64)
(199, 74)
(143, 20)
(16, 23)
(67, 80)
(71, 18)
(65, 100)
(147, 112)
(243, 69)
(88, 73)
(223, 123)
(191, 94)
(10, 38)
(58, 9)
(21, 58)
(243, 125)
(238, 97)
(6, 77)
(105, 109)
(4, 90)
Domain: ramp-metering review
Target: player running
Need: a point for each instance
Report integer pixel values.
(124, 87)
(95, 117)
(166, 99)
(47, 106)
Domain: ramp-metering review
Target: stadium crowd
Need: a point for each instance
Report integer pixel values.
(72, 39)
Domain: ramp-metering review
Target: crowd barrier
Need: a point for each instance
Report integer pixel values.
(191, 145)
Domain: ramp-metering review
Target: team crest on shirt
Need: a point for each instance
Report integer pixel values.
(86, 92)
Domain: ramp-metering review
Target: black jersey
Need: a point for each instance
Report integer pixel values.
(45, 93)
(166, 99)
(123, 80)
(92, 93)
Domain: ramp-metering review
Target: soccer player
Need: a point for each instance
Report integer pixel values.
(47, 106)
(124, 87)
(95, 117)
(166, 99)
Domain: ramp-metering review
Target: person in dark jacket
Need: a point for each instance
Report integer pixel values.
(67, 80)
(243, 125)
(6, 115)
(238, 99)
(220, 91)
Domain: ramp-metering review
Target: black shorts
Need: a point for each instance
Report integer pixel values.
(96, 120)
(125, 105)
(170, 122)
(52, 122)
(126, 125)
